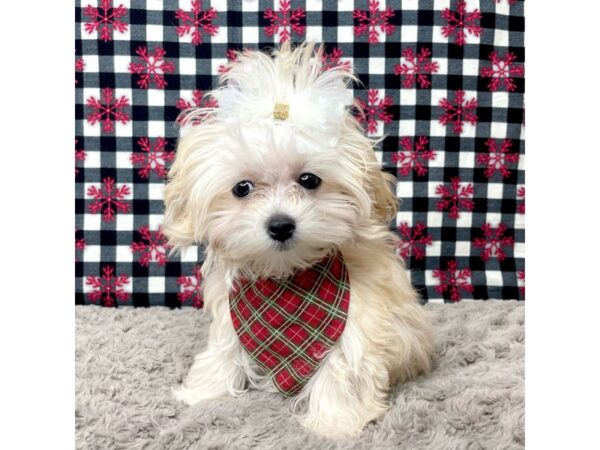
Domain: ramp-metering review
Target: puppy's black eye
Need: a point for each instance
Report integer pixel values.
(243, 188)
(309, 181)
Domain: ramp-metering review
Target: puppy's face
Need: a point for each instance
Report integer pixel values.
(268, 205)
(269, 198)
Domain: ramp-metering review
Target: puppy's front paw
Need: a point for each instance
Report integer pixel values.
(213, 375)
(345, 425)
(191, 396)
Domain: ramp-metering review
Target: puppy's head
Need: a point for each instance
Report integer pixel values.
(280, 174)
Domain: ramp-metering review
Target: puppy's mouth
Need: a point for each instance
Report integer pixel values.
(284, 246)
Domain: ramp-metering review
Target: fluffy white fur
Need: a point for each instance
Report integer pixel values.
(387, 338)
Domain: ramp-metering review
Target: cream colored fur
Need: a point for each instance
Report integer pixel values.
(387, 338)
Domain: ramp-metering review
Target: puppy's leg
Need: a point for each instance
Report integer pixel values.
(216, 371)
(382, 343)
(340, 400)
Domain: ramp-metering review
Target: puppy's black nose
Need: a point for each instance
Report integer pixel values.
(281, 228)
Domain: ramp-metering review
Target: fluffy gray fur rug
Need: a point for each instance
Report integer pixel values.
(128, 359)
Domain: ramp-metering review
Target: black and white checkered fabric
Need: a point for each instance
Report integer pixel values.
(452, 256)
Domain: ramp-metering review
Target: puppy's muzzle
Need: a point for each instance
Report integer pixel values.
(281, 227)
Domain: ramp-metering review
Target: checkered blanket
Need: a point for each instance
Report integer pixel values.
(442, 84)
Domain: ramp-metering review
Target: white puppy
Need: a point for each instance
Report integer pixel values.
(277, 179)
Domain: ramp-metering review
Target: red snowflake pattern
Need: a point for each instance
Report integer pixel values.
(107, 110)
(493, 242)
(461, 22)
(374, 110)
(521, 194)
(79, 245)
(413, 241)
(413, 156)
(373, 21)
(334, 59)
(152, 68)
(196, 22)
(109, 199)
(453, 280)
(190, 289)
(152, 247)
(455, 197)
(502, 71)
(154, 157)
(497, 158)
(79, 67)
(104, 19)
(459, 111)
(108, 289)
(198, 101)
(79, 156)
(521, 278)
(288, 21)
(416, 67)
(232, 56)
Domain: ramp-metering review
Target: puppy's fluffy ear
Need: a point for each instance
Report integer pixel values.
(177, 223)
(380, 185)
(378, 199)
(185, 202)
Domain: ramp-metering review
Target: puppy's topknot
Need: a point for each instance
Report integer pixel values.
(290, 87)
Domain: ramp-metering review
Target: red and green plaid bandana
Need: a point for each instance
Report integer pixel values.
(288, 326)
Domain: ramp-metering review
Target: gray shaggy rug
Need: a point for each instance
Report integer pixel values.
(128, 359)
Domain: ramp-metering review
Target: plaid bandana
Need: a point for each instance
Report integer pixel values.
(288, 326)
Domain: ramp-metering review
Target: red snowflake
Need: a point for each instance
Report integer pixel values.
(79, 66)
(153, 246)
(190, 288)
(288, 21)
(79, 244)
(455, 197)
(493, 242)
(461, 22)
(521, 194)
(154, 157)
(497, 158)
(413, 156)
(108, 288)
(374, 110)
(502, 71)
(453, 280)
(370, 21)
(459, 111)
(153, 68)
(416, 67)
(521, 278)
(107, 110)
(334, 59)
(105, 19)
(196, 21)
(413, 241)
(79, 156)
(198, 101)
(510, 2)
(109, 199)
(232, 56)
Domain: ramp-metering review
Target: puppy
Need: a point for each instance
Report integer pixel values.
(301, 276)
